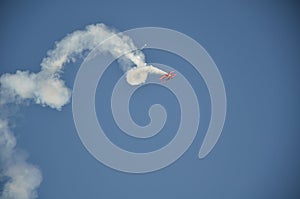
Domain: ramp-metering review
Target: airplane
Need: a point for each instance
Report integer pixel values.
(139, 49)
(144, 46)
(168, 76)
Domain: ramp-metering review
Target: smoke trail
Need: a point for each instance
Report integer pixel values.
(47, 89)
(22, 177)
(138, 75)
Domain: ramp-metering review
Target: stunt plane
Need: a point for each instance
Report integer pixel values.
(168, 76)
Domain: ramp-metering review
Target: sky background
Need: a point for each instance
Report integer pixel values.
(256, 48)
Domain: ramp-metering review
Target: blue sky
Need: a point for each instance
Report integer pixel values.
(255, 46)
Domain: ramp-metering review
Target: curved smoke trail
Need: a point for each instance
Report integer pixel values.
(47, 89)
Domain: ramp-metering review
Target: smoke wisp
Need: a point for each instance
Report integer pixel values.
(21, 178)
(48, 89)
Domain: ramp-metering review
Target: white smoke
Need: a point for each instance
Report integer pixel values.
(43, 88)
(138, 75)
(22, 177)
(47, 89)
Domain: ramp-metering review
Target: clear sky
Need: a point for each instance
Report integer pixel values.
(256, 48)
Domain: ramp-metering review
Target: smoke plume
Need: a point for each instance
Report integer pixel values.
(21, 179)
